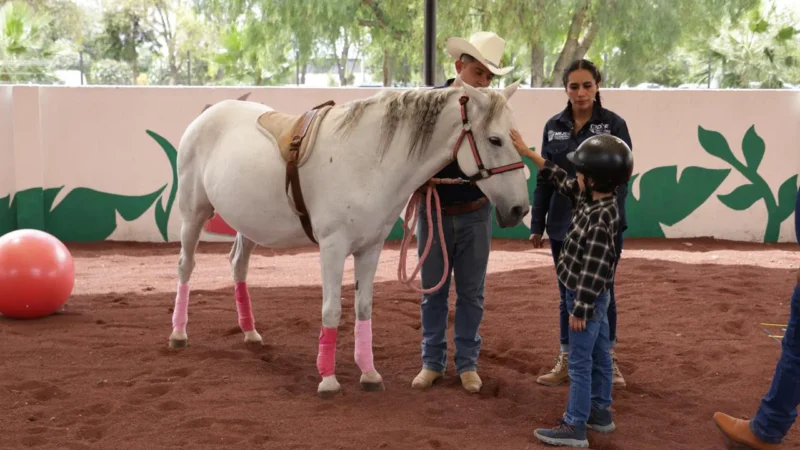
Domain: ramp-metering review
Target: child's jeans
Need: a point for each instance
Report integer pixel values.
(590, 365)
(778, 409)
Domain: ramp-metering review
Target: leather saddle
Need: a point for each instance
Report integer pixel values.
(295, 135)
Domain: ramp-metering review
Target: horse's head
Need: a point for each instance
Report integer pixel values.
(490, 158)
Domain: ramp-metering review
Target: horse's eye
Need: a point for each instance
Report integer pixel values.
(496, 141)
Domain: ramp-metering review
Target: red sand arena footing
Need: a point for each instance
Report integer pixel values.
(100, 373)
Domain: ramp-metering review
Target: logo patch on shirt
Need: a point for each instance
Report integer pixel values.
(600, 128)
(557, 135)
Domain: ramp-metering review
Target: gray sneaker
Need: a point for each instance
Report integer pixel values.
(563, 435)
(601, 420)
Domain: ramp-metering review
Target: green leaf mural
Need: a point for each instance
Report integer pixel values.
(85, 214)
(745, 196)
(664, 199)
(89, 215)
(162, 215)
(754, 148)
(8, 216)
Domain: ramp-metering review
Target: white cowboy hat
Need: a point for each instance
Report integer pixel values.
(485, 46)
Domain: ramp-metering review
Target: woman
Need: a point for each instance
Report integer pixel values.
(583, 117)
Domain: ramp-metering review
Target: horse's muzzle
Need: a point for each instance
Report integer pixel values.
(513, 217)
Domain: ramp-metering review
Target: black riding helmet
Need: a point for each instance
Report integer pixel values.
(605, 159)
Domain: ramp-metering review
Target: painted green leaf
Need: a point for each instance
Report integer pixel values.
(678, 198)
(90, 215)
(787, 195)
(753, 148)
(8, 215)
(162, 215)
(665, 199)
(715, 144)
(397, 231)
(742, 197)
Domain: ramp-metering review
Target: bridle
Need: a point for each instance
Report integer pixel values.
(466, 130)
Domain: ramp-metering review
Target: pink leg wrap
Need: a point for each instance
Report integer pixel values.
(326, 358)
(180, 316)
(246, 320)
(363, 351)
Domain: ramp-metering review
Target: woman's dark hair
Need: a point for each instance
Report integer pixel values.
(585, 64)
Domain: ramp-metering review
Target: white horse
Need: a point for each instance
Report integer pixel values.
(368, 158)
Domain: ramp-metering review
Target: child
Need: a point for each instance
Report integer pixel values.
(586, 268)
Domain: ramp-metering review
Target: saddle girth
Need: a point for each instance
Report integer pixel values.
(292, 174)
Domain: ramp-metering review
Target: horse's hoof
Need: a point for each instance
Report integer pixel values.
(178, 343)
(251, 337)
(329, 387)
(372, 382)
(329, 394)
(372, 387)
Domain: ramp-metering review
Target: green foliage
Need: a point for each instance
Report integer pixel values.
(111, 72)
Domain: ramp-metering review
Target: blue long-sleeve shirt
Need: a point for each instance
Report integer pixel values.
(551, 210)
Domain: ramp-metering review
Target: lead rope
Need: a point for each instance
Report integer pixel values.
(409, 222)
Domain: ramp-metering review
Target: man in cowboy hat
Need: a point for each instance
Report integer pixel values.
(468, 232)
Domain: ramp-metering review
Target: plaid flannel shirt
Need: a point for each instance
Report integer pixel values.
(587, 259)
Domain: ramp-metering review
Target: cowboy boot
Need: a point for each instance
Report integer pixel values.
(558, 374)
(425, 379)
(739, 431)
(471, 381)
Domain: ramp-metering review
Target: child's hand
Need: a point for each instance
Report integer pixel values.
(519, 144)
(577, 324)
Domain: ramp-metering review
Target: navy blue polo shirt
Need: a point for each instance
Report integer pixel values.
(551, 210)
(451, 194)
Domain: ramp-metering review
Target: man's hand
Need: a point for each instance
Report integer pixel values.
(536, 240)
(577, 324)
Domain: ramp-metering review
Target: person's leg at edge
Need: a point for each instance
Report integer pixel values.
(777, 411)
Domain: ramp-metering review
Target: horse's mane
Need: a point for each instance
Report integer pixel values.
(419, 109)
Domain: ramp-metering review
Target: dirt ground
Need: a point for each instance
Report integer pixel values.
(100, 374)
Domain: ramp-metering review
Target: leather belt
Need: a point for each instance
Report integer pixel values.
(463, 208)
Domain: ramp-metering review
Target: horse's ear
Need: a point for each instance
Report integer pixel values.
(510, 90)
(475, 95)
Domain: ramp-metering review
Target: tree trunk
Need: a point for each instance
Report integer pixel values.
(588, 38)
(537, 64)
(387, 73)
(570, 46)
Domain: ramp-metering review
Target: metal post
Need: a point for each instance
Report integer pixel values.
(80, 65)
(430, 42)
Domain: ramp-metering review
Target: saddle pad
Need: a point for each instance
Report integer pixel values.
(281, 126)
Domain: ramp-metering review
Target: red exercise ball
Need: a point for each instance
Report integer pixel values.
(37, 274)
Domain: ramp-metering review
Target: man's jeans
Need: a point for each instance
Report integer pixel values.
(555, 249)
(468, 239)
(590, 365)
(778, 409)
